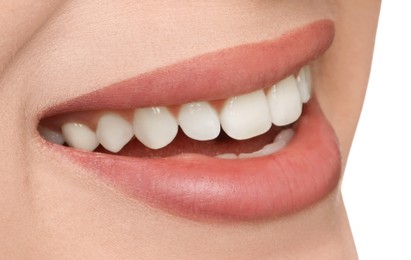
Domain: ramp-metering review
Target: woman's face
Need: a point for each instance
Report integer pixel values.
(138, 91)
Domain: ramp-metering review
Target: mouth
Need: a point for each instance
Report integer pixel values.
(234, 134)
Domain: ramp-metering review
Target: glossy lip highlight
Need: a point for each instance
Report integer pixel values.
(198, 186)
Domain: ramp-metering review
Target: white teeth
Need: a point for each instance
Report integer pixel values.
(281, 140)
(241, 117)
(284, 102)
(246, 116)
(227, 156)
(285, 136)
(79, 136)
(199, 121)
(113, 132)
(304, 84)
(155, 127)
(266, 150)
(51, 135)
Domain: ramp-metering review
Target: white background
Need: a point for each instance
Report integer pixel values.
(377, 184)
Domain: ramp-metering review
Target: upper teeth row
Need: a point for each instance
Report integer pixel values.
(241, 117)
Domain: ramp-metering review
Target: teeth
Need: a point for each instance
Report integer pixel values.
(113, 132)
(304, 84)
(155, 127)
(281, 140)
(285, 136)
(246, 116)
(199, 121)
(79, 136)
(284, 102)
(227, 156)
(241, 117)
(266, 150)
(51, 135)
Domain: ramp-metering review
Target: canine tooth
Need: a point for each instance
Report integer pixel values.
(113, 132)
(284, 102)
(155, 127)
(304, 84)
(50, 135)
(79, 136)
(199, 121)
(246, 116)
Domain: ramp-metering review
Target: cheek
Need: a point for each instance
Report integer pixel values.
(14, 33)
(342, 74)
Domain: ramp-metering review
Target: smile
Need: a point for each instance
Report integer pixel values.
(234, 134)
(241, 117)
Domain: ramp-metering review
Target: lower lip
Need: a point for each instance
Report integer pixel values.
(200, 187)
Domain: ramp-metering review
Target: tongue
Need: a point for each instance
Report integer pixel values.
(182, 144)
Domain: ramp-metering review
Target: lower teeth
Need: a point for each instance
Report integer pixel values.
(280, 141)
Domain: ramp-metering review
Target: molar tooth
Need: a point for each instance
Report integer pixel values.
(50, 135)
(246, 116)
(79, 136)
(284, 102)
(304, 84)
(199, 121)
(113, 132)
(155, 127)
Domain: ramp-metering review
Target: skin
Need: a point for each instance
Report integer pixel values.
(52, 51)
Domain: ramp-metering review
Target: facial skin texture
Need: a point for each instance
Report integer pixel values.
(52, 51)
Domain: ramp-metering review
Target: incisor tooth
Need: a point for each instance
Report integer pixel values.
(155, 127)
(246, 116)
(284, 102)
(230, 156)
(79, 136)
(113, 132)
(281, 140)
(304, 84)
(199, 121)
(285, 136)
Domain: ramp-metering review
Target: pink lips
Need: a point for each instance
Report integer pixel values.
(198, 186)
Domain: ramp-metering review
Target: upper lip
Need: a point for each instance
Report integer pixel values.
(202, 186)
(211, 76)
